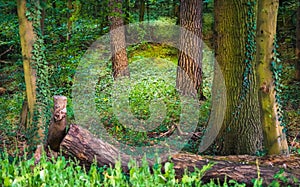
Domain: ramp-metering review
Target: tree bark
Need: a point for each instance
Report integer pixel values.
(117, 41)
(81, 144)
(275, 141)
(241, 132)
(189, 71)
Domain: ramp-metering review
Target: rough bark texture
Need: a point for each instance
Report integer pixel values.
(81, 144)
(117, 40)
(241, 132)
(275, 141)
(189, 72)
(298, 44)
(57, 128)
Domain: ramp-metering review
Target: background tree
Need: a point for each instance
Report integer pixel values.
(241, 131)
(142, 10)
(189, 72)
(274, 138)
(117, 40)
(298, 44)
(69, 23)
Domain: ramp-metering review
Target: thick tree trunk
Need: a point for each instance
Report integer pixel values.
(117, 40)
(81, 144)
(274, 137)
(189, 72)
(241, 132)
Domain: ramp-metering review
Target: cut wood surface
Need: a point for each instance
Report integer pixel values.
(87, 148)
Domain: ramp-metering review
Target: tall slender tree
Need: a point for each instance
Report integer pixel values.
(298, 44)
(142, 10)
(189, 72)
(27, 38)
(274, 138)
(117, 40)
(69, 22)
(235, 28)
(35, 67)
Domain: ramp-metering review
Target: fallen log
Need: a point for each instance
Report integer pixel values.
(86, 148)
(81, 144)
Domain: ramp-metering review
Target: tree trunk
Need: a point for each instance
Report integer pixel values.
(241, 132)
(189, 71)
(298, 44)
(87, 149)
(69, 23)
(35, 70)
(24, 114)
(27, 38)
(142, 10)
(275, 141)
(117, 41)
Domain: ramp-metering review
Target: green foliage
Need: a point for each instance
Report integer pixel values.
(9, 35)
(62, 172)
(153, 81)
(21, 171)
(9, 124)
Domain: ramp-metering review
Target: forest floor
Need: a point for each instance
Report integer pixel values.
(12, 98)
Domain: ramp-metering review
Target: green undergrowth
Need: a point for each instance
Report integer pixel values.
(149, 99)
(20, 171)
(62, 172)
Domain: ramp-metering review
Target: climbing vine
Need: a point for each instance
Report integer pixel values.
(40, 65)
(250, 48)
(276, 69)
(250, 51)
